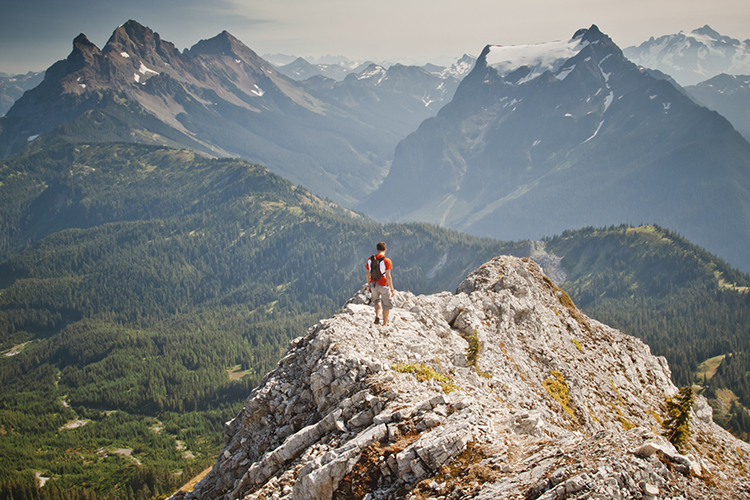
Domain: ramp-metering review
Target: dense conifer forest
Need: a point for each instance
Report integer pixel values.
(685, 303)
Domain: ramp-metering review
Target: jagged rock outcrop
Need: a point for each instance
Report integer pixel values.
(502, 390)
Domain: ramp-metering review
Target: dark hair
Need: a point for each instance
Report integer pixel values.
(381, 246)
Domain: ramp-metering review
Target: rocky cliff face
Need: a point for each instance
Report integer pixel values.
(502, 390)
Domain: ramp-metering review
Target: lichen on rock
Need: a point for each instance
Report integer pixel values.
(335, 420)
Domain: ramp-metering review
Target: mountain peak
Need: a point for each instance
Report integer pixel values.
(708, 31)
(81, 42)
(592, 34)
(539, 57)
(222, 44)
(83, 47)
(503, 377)
(84, 53)
(134, 39)
(133, 32)
(691, 58)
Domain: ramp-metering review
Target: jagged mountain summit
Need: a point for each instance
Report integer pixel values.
(542, 138)
(502, 390)
(218, 97)
(691, 58)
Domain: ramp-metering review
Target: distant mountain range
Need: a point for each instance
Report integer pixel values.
(398, 98)
(543, 138)
(729, 95)
(301, 69)
(711, 67)
(221, 99)
(218, 97)
(338, 68)
(691, 58)
(12, 87)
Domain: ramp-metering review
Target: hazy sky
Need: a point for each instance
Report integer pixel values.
(36, 33)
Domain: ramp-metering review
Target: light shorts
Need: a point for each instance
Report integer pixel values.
(381, 294)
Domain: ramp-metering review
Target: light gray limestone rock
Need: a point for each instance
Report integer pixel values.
(556, 406)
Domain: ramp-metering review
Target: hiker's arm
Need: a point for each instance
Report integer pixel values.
(390, 281)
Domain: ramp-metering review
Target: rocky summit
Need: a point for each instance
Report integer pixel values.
(501, 390)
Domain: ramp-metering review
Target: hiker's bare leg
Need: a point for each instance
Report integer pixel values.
(378, 307)
(386, 312)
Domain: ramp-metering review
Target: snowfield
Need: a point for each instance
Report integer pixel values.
(539, 57)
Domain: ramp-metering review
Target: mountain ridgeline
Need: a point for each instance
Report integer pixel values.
(529, 148)
(501, 390)
(728, 95)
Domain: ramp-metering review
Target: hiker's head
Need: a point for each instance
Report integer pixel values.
(381, 246)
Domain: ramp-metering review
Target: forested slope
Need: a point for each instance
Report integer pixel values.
(684, 302)
(139, 280)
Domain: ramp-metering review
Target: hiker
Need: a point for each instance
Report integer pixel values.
(380, 282)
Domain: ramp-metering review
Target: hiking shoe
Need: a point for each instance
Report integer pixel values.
(377, 320)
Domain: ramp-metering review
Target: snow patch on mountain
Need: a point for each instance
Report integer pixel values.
(608, 100)
(144, 70)
(538, 58)
(460, 68)
(565, 72)
(372, 72)
(595, 132)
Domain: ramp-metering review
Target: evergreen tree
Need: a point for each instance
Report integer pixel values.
(677, 424)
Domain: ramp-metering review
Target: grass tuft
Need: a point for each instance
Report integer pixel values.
(425, 373)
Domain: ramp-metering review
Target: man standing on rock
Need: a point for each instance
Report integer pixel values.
(380, 283)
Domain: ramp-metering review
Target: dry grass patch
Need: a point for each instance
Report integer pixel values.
(425, 373)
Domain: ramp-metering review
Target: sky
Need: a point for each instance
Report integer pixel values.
(36, 33)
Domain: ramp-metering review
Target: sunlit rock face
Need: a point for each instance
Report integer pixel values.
(501, 390)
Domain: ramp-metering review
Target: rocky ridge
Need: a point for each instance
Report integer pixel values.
(502, 390)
